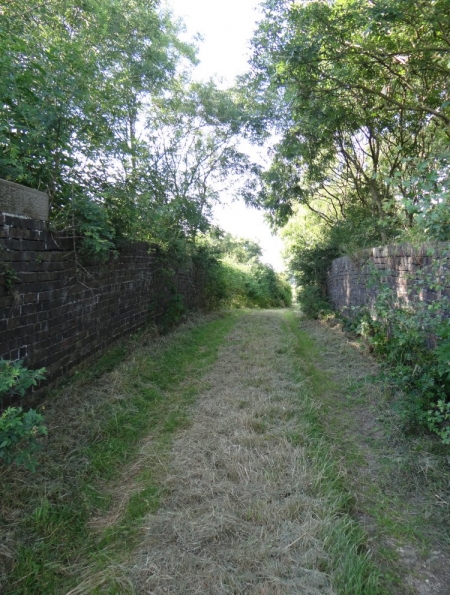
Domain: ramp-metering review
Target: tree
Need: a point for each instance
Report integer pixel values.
(359, 92)
(188, 151)
(99, 111)
(225, 244)
(73, 78)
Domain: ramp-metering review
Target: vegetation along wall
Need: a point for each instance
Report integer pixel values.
(56, 313)
(412, 273)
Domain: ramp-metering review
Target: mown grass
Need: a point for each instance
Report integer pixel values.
(109, 428)
(257, 504)
(380, 465)
(70, 527)
(351, 565)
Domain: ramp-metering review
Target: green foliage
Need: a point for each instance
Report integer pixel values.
(173, 310)
(312, 302)
(413, 339)
(227, 272)
(19, 429)
(241, 280)
(309, 250)
(425, 197)
(438, 419)
(242, 250)
(18, 433)
(77, 81)
(73, 79)
(358, 93)
(10, 276)
(87, 223)
(190, 148)
(312, 243)
(15, 379)
(254, 284)
(210, 270)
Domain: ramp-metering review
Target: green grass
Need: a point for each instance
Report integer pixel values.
(378, 494)
(353, 570)
(80, 515)
(151, 390)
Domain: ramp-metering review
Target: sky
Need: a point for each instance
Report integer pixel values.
(226, 28)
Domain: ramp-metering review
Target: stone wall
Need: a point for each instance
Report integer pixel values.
(403, 267)
(58, 315)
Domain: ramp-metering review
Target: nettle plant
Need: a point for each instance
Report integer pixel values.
(19, 429)
(412, 336)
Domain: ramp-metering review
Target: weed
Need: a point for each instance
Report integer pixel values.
(19, 429)
(10, 276)
(413, 339)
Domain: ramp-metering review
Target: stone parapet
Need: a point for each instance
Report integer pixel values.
(407, 269)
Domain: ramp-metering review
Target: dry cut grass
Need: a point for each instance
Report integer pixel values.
(244, 511)
(70, 524)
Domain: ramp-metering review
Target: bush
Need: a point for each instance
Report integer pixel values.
(211, 269)
(254, 284)
(413, 338)
(19, 429)
(312, 302)
(15, 379)
(18, 433)
(235, 275)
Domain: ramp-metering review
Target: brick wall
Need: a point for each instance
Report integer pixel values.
(57, 315)
(403, 267)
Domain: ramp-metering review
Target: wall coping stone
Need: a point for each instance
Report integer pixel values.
(21, 201)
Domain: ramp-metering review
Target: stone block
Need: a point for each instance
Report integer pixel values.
(19, 200)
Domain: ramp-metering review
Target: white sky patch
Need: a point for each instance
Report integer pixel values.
(226, 29)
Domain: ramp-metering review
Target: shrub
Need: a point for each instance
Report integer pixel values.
(15, 379)
(19, 429)
(312, 302)
(211, 269)
(237, 277)
(254, 284)
(413, 338)
(18, 432)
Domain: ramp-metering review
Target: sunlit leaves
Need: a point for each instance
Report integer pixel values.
(359, 93)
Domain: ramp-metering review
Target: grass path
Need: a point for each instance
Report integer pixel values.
(250, 508)
(239, 455)
(400, 484)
